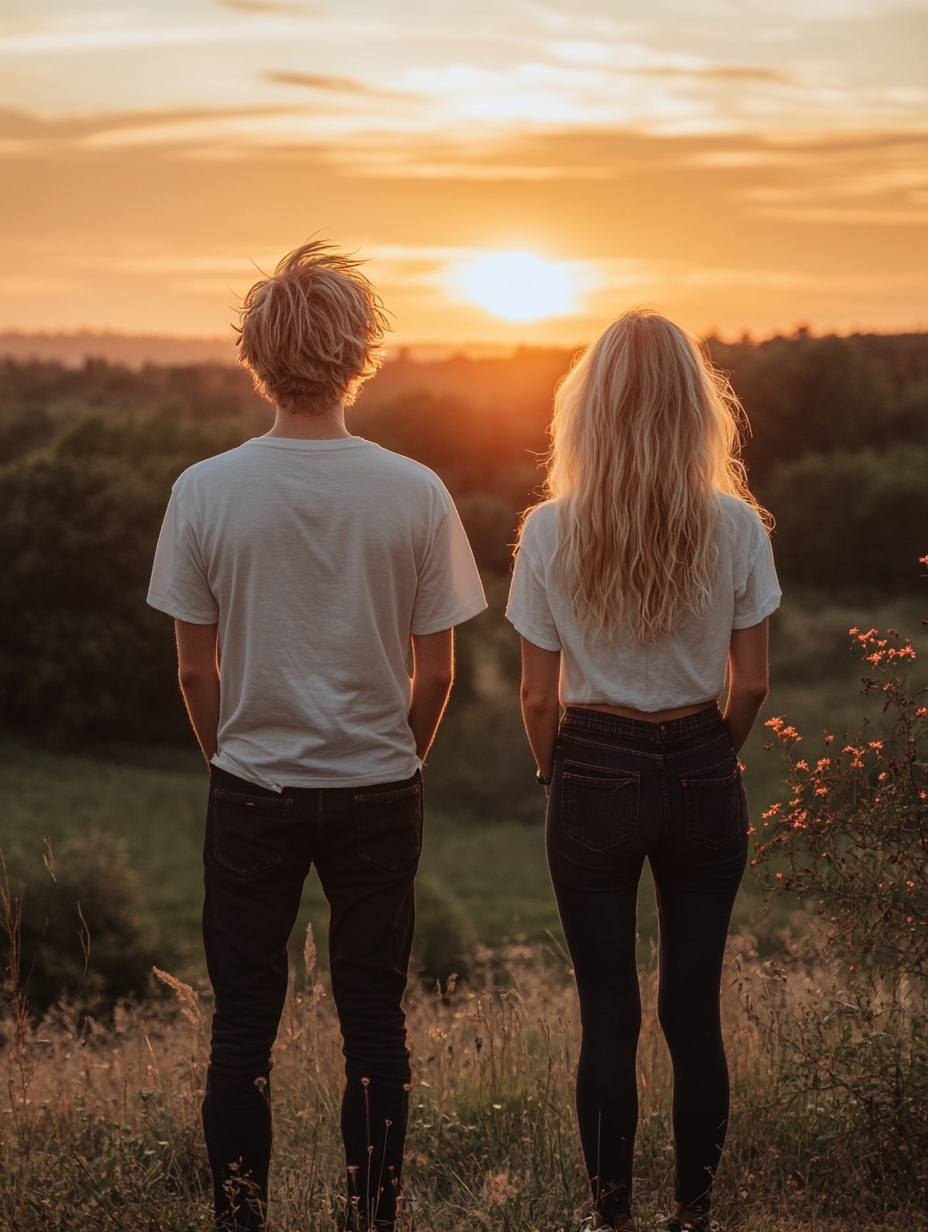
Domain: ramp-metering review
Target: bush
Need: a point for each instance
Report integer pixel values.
(81, 931)
(851, 845)
(445, 940)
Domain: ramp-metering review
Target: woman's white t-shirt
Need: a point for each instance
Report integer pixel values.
(318, 560)
(682, 670)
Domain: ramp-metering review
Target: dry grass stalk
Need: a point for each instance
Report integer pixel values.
(108, 1133)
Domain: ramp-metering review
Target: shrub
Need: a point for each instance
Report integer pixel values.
(851, 843)
(81, 931)
(445, 937)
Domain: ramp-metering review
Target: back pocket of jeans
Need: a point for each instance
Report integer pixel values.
(599, 807)
(390, 826)
(249, 832)
(716, 806)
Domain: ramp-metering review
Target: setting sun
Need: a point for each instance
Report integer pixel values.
(520, 286)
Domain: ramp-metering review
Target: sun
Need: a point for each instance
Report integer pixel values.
(520, 286)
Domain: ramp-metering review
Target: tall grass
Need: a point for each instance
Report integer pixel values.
(101, 1128)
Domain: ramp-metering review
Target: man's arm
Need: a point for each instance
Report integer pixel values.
(749, 680)
(541, 670)
(198, 672)
(432, 677)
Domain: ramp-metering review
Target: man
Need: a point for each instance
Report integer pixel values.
(304, 563)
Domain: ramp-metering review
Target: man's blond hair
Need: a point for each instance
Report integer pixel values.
(311, 333)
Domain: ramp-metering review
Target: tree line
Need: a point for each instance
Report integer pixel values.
(838, 451)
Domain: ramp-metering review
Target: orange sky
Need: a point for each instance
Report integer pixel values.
(742, 165)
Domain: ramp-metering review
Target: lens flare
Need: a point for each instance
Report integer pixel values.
(520, 286)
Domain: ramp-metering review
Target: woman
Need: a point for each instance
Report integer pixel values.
(645, 575)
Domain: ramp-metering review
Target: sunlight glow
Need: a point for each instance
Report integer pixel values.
(520, 286)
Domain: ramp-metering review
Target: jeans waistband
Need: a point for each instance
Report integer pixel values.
(579, 718)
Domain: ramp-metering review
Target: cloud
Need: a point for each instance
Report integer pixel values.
(849, 217)
(335, 85)
(28, 129)
(265, 6)
(720, 72)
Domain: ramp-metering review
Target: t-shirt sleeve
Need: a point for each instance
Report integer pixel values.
(449, 589)
(760, 594)
(528, 609)
(178, 578)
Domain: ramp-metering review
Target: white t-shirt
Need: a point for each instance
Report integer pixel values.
(318, 560)
(682, 670)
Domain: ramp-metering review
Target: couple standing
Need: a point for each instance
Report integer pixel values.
(306, 561)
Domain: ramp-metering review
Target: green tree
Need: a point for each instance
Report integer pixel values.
(81, 653)
(851, 522)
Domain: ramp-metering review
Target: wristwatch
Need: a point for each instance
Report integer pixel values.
(541, 780)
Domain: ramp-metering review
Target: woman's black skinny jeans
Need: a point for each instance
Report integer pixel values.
(621, 790)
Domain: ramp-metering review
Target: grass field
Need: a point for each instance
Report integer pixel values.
(101, 1127)
(153, 800)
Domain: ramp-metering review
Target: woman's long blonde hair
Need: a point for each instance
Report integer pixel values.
(645, 435)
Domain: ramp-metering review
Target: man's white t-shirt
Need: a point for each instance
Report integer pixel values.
(318, 560)
(682, 670)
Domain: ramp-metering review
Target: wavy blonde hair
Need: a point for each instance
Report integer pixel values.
(311, 333)
(645, 434)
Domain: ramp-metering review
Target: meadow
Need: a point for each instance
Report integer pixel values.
(102, 1124)
(104, 1064)
(484, 877)
(102, 1129)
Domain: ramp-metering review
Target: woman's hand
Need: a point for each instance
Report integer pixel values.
(541, 671)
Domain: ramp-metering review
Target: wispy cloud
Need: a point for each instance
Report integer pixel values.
(332, 85)
(266, 6)
(30, 129)
(721, 72)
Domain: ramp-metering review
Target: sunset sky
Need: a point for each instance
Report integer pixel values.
(515, 171)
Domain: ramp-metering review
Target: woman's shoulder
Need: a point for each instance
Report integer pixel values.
(740, 516)
(538, 536)
(541, 521)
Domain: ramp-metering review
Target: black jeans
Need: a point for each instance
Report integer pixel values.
(622, 790)
(365, 843)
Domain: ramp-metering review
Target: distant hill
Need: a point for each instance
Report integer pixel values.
(125, 349)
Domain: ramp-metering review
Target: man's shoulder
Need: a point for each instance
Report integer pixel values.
(365, 465)
(214, 470)
(400, 464)
(402, 480)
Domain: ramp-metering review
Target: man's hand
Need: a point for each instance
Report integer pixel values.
(433, 674)
(198, 672)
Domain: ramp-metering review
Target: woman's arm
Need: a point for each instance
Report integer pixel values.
(541, 670)
(749, 680)
(198, 671)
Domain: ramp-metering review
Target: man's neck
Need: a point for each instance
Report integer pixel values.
(302, 424)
